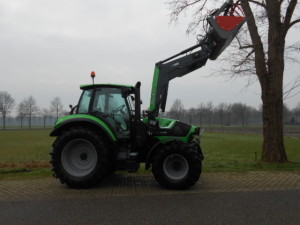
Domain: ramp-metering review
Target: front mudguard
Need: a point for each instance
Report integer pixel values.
(194, 144)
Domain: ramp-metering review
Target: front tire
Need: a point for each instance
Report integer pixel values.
(177, 165)
(79, 158)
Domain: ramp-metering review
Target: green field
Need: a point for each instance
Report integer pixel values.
(242, 152)
(27, 152)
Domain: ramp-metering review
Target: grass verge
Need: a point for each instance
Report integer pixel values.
(242, 152)
(25, 153)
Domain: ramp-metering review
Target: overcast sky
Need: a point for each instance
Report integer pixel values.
(49, 47)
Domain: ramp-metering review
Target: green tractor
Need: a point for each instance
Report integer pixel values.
(107, 131)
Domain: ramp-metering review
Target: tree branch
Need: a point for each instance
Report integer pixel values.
(288, 15)
(261, 68)
(293, 23)
(241, 46)
(243, 61)
(180, 5)
(295, 85)
(262, 4)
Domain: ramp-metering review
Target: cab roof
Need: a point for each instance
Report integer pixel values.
(90, 86)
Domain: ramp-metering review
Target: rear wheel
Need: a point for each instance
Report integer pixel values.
(79, 158)
(177, 166)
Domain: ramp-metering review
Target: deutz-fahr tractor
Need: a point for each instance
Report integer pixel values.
(107, 131)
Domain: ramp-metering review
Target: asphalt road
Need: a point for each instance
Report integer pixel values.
(221, 208)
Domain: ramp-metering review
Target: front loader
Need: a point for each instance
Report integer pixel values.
(106, 131)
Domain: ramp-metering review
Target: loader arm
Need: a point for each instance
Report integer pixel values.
(224, 24)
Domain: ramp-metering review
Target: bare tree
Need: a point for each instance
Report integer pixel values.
(257, 115)
(30, 107)
(201, 111)
(242, 112)
(56, 107)
(21, 110)
(209, 111)
(177, 109)
(286, 114)
(221, 111)
(191, 113)
(269, 63)
(262, 53)
(45, 114)
(6, 105)
(228, 109)
(296, 112)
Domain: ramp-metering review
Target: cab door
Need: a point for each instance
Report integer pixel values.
(109, 105)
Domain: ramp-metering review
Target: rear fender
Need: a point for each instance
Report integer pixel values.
(85, 120)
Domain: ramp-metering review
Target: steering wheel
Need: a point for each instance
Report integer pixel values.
(120, 108)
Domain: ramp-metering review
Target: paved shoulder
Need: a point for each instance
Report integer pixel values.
(145, 185)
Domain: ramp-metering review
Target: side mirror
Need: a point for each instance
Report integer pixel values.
(72, 109)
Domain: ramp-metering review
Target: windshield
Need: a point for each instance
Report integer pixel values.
(83, 106)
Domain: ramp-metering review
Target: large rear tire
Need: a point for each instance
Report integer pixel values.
(177, 165)
(79, 158)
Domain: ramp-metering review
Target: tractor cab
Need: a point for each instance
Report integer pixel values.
(110, 103)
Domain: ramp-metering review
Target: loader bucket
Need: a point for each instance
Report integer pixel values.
(229, 22)
(224, 28)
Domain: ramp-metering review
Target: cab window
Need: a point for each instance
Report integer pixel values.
(83, 106)
(109, 105)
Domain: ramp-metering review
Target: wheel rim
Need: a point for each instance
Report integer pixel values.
(79, 157)
(175, 166)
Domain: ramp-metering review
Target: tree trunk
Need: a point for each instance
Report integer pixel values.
(229, 119)
(270, 71)
(4, 124)
(200, 121)
(273, 144)
(222, 120)
(209, 120)
(44, 122)
(30, 121)
(272, 97)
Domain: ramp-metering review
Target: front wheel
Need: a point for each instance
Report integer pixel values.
(177, 165)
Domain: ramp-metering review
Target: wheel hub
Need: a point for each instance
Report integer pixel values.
(83, 156)
(175, 166)
(79, 157)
